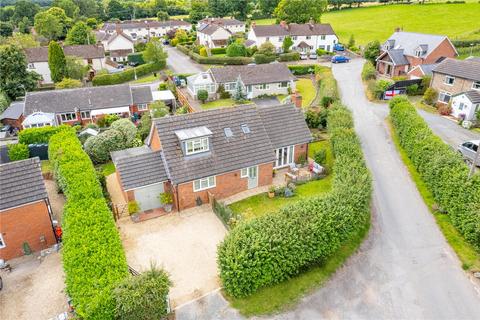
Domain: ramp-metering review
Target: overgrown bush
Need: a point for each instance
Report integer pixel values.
(316, 118)
(328, 85)
(236, 50)
(430, 96)
(441, 168)
(290, 56)
(18, 151)
(143, 297)
(39, 135)
(127, 129)
(127, 75)
(413, 90)
(303, 69)
(320, 156)
(261, 58)
(275, 247)
(99, 147)
(93, 257)
(368, 72)
(380, 87)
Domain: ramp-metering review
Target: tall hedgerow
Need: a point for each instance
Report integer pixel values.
(93, 257)
(274, 247)
(442, 169)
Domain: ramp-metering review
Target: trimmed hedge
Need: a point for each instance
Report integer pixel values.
(303, 69)
(291, 56)
(274, 247)
(442, 169)
(136, 57)
(212, 59)
(39, 135)
(328, 85)
(127, 75)
(218, 50)
(18, 151)
(93, 257)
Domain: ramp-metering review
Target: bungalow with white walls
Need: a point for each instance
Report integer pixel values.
(306, 37)
(213, 36)
(466, 105)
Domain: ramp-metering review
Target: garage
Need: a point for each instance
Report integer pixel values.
(148, 197)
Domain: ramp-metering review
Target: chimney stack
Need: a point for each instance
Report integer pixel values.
(296, 99)
(283, 24)
(254, 24)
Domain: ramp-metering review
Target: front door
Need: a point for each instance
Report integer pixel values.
(252, 177)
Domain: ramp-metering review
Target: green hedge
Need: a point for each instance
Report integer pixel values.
(442, 169)
(274, 247)
(18, 151)
(127, 75)
(214, 60)
(327, 83)
(291, 56)
(302, 69)
(218, 50)
(465, 43)
(39, 135)
(136, 57)
(93, 257)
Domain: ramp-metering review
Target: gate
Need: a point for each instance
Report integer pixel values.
(119, 210)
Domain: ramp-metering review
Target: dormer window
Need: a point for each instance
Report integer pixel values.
(196, 146)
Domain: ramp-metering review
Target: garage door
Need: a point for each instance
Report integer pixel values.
(148, 197)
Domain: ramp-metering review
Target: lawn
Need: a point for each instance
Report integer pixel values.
(46, 166)
(107, 168)
(307, 90)
(220, 103)
(379, 22)
(469, 257)
(149, 78)
(261, 204)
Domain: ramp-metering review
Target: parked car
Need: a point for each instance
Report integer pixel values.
(303, 56)
(312, 56)
(340, 59)
(133, 63)
(338, 47)
(469, 150)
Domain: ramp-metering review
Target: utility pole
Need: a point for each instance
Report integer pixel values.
(474, 163)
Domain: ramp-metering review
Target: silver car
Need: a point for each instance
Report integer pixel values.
(469, 151)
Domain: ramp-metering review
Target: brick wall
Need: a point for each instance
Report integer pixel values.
(29, 224)
(226, 185)
(459, 85)
(155, 143)
(299, 150)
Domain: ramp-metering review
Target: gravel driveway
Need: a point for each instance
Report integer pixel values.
(405, 269)
(184, 243)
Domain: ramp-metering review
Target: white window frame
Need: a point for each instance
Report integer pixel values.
(31, 66)
(244, 173)
(294, 37)
(142, 107)
(83, 114)
(444, 94)
(281, 84)
(210, 182)
(476, 85)
(64, 115)
(198, 145)
(323, 37)
(308, 37)
(447, 78)
(2, 242)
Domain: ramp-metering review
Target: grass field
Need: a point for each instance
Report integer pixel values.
(458, 21)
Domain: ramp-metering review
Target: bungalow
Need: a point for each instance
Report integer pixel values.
(83, 105)
(92, 55)
(219, 151)
(403, 51)
(466, 105)
(452, 77)
(306, 37)
(257, 80)
(25, 211)
(118, 44)
(144, 30)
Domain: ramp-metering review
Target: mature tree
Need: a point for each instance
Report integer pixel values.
(4, 101)
(158, 5)
(287, 43)
(162, 16)
(70, 8)
(6, 29)
(181, 36)
(6, 13)
(199, 10)
(20, 40)
(372, 51)
(89, 8)
(115, 10)
(219, 8)
(154, 52)
(80, 34)
(14, 77)
(24, 25)
(75, 68)
(25, 8)
(127, 129)
(49, 25)
(92, 23)
(236, 50)
(300, 11)
(238, 8)
(57, 62)
(267, 6)
(68, 83)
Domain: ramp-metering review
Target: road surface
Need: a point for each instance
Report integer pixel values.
(181, 63)
(405, 269)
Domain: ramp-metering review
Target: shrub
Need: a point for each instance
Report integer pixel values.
(274, 247)
(144, 126)
(68, 83)
(142, 297)
(320, 156)
(136, 57)
(412, 89)
(380, 87)
(218, 50)
(316, 118)
(203, 52)
(202, 95)
(127, 75)
(236, 50)
(133, 207)
(222, 93)
(303, 69)
(214, 59)
(372, 51)
(441, 168)
(328, 84)
(261, 58)
(430, 96)
(291, 56)
(127, 129)
(18, 151)
(162, 86)
(93, 257)
(39, 135)
(99, 147)
(445, 109)
(369, 72)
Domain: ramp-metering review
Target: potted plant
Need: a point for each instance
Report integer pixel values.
(274, 173)
(133, 209)
(167, 200)
(271, 192)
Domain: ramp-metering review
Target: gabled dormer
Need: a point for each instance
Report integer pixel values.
(194, 141)
(421, 50)
(389, 45)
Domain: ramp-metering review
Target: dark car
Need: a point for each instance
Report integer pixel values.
(340, 59)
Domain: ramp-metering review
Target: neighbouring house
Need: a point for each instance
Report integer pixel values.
(422, 70)
(306, 37)
(466, 105)
(25, 213)
(213, 36)
(451, 77)
(92, 55)
(221, 151)
(232, 25)
(145, 29)
(257, 80)
(84, 105)
(403, 51)
(118, 44)
(13, 115)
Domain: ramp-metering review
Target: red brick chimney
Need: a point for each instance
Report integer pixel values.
(296, 99)
(284, 25)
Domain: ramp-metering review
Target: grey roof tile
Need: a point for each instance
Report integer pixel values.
(397, 56)
(473, 96)
(21, 183)
(221, 21)
(293, 29)
(14, 111)
(40, 54)
(141, 169)
(466, 69)
(410, 41)
(142, 94)
(255, 74)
